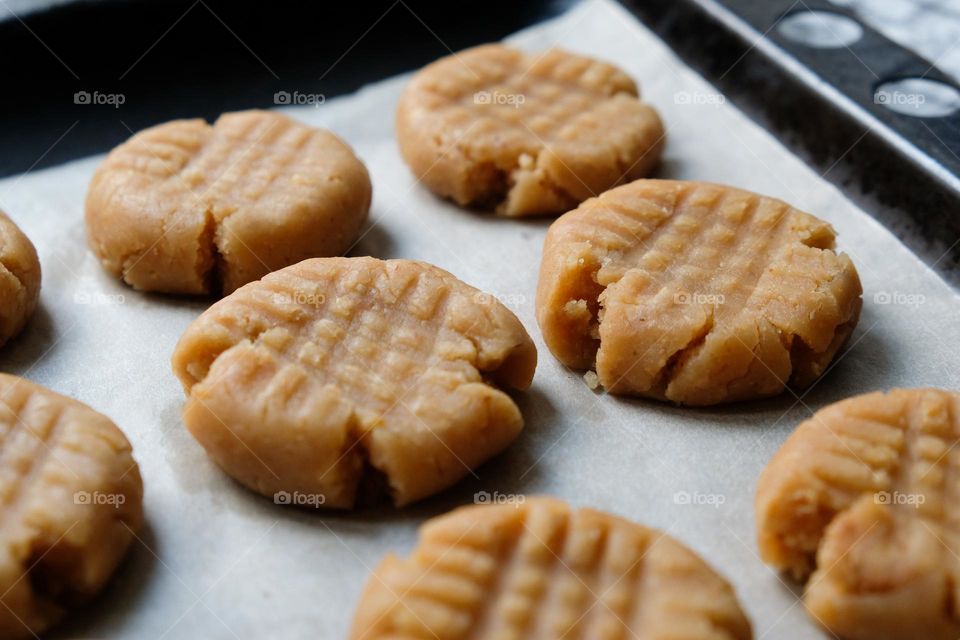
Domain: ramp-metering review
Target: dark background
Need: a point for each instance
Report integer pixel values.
(173, 59)
(199, 58)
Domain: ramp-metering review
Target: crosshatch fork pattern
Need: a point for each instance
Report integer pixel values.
(541, 570)
(863, 496)
(768, 611)
(695, 292)
(891, 447)
(532, 134)
(187, 207)
(388, 363)
(70, 496)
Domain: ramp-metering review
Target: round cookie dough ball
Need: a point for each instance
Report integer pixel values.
(338, 373)
(19, 279)
(526, 134)
(695, 293)
(540, 570)
(70, 495)
(185, 207)
(863, 496)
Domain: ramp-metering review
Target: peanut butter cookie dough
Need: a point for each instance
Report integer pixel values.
(695, 293)
(526, 134)
(19, 279)
(186, 207)
(70, 504)
(337, 370)
(864, 496)
(538, 569)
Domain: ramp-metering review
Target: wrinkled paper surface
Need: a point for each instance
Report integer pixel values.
(216, 561)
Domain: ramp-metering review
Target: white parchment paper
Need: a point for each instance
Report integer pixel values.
(216, 561)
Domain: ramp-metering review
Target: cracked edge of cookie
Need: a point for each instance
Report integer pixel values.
(583, 306)
(512, 370)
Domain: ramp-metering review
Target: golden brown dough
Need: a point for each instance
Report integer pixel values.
(695, 293)
(541, 570)
(336, 369)
(70, 504)
(528, 134)
(19, 279)
(864, 496)
(186, 207)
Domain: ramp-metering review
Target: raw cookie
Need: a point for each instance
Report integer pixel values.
(185, 207)
(70, 499)
(337, 370)
(540, 570)
(19, 279)
(695, 293)
(864, 495)
(528, 134)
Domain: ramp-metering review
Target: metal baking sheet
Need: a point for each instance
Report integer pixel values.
(216, 561)
(828, 104)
